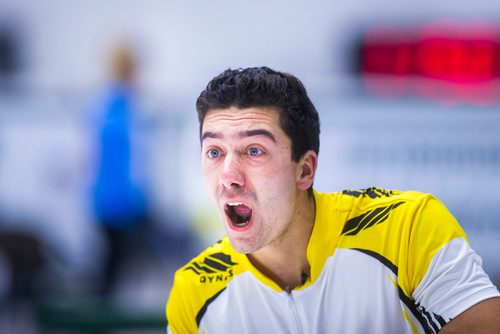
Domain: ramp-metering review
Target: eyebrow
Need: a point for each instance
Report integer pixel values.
(209, 134)
(258, 132)
(243, 134)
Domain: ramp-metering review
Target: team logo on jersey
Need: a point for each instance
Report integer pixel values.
(215, 267)
(369, 192)
(368, 219)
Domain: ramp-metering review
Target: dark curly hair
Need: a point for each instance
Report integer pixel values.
(264, 87)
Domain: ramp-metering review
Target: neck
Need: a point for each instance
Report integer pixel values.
(285, 260)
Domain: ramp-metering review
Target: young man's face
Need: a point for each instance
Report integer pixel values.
(249, 175)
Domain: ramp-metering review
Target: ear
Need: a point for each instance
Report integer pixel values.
(306, 170)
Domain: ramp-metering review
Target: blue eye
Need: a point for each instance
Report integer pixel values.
(213, 153)
(254, 152)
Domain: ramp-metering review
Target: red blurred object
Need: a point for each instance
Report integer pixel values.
(448, 60)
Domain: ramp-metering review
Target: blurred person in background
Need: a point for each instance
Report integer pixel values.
(119, 196)
(10, 54)
(295, 260)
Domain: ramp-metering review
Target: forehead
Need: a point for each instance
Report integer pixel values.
(241, 119)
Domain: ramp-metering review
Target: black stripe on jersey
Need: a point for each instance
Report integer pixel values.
(379, 257)
(440, 319)
(429, 323)
(203, 268)
(410, 303)
(193, 269)
(223, 258)
(372, 192)
(368, 219)
(198, 268)
(204, 308)
(211, 264)
(215, 265)
(434, 317)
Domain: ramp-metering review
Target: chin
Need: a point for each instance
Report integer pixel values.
(242, 247)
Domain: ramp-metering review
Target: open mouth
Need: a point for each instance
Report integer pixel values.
(238, 213)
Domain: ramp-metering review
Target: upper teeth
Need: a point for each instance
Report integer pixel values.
(234, 203)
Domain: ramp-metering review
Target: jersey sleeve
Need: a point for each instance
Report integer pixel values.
(181, 307)
(445, 274)
(196, 285)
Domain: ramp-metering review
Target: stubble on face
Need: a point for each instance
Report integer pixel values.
(269, 180)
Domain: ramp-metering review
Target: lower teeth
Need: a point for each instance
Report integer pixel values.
(241, 223)
(237, 219)
(240, 220)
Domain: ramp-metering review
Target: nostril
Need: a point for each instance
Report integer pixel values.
(230, 184)
(234, 184)
(231, 179)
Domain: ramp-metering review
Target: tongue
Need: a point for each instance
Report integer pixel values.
(243, 210)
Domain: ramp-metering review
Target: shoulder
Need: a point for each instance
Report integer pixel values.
(198, 282)
(408, 207)
(214, 264)
(407, 228)
(373, 196)
(395, 223)
(356, 202)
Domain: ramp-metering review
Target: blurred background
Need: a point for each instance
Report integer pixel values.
(101, 196)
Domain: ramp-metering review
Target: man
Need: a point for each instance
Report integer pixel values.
(298, 261)
(118, 193)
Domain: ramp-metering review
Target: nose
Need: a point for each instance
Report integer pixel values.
(232, 174)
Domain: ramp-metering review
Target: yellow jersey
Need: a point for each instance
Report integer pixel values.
(381, 261)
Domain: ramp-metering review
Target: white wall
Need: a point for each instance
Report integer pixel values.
(186, 42)
(182, 45)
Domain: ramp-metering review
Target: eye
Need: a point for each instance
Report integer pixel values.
(213, 153)
(254, 152)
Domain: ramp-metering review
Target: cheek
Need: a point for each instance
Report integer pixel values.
(280, 184)
(210, 179)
